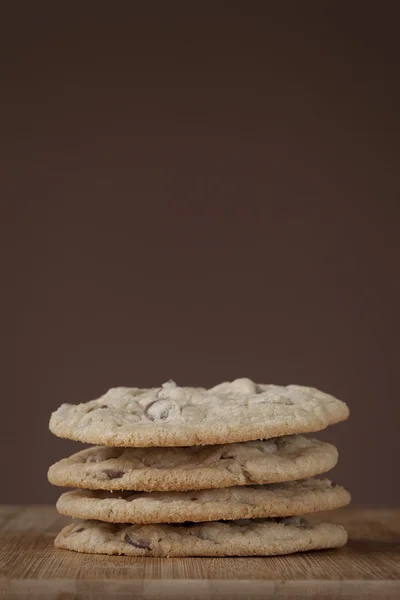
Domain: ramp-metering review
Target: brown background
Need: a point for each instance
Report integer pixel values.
(200, 197)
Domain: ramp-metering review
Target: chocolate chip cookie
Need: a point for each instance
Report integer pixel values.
(170, 415)
(246, 502)
(200, 467)
(262, 537)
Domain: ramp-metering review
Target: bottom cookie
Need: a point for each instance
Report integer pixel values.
(258, 537)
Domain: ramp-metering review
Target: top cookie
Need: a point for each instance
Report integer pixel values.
(170, 415)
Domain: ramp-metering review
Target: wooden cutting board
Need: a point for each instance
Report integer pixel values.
(30, 567)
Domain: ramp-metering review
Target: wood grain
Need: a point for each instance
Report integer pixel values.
(30, 567)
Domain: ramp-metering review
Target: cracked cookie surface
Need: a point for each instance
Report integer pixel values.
(246, 502)
(200, 467)
(236, 538)
(170, 415)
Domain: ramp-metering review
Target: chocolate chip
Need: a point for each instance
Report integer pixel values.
(194, 498)
(143, 544)
(96, 408)
(114, 473)
(163, 415)
(145, 412)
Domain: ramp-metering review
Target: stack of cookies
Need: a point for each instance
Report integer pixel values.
(186, 471)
